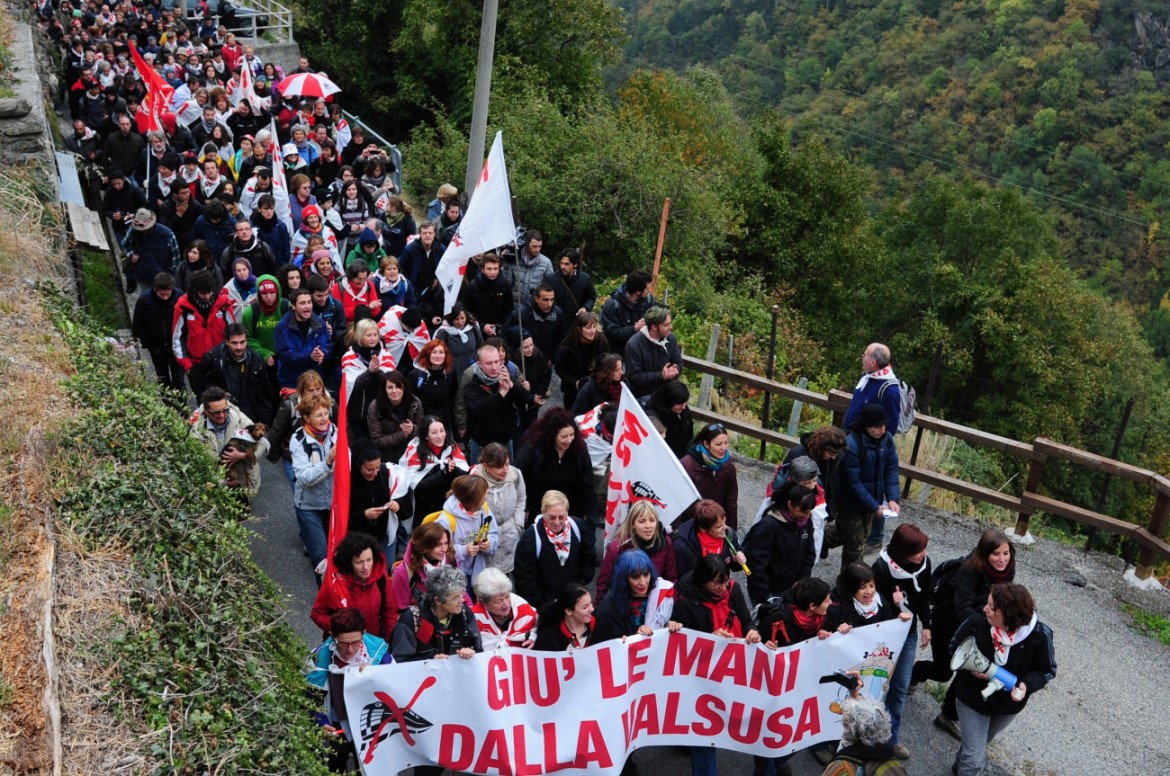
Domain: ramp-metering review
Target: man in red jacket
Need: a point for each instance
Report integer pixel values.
(201, 316)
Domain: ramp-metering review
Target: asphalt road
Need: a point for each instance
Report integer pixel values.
(1103, 714)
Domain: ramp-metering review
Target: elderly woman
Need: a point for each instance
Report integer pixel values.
(1008, 633)
(360, 584)
(550, 555)
(866, 734)
(504, 618)
(443, 625)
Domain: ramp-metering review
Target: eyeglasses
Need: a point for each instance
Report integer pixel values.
(224, 411)
(716, 427)
(348, 644)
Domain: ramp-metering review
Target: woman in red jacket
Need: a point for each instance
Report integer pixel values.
(641, 530)
(360, 584)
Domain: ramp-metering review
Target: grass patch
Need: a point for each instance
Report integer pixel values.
(102, 287)
(1153, 625)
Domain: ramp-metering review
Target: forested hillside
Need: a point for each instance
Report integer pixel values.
(988, 176)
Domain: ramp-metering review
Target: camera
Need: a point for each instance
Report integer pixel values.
(848, 681)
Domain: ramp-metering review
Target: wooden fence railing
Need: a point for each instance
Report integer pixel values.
(1150, 539)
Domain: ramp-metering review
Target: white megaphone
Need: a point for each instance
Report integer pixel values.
(969, 658)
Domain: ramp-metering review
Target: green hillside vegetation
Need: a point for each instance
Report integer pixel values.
(782, 193)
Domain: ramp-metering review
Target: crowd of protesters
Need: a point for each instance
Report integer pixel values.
(474, 503)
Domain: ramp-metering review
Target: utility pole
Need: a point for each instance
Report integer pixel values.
(483, 91)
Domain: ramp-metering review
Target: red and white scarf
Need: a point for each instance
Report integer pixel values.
(562, 542)
(869, 611)
(1002, 640)
(897, 572)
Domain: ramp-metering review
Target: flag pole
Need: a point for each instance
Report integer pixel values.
(519, 296)
(658, 250)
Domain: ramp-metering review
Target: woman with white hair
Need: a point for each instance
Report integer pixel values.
(504, 618)
(865, 740)
(441, 626)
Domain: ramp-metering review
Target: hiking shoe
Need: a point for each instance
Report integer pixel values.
(913, 688)
(901, 752)
(949, 726)
(872, 548)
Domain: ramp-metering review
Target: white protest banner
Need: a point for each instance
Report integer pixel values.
(486, 225)
(525, 712)
(279, 184)
(643, 468)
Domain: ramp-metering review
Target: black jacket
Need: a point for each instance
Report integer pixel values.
(918, 600)
(430, 638)
(692, 613)
(490, 416)
(539, 575)
(571, 474)
(1032, 660)
(490, 300)
(258, 254)
(680, 428)
(688, 551)
(572, 293)
(247, 382)
(779, 552)
(154, 320)
(547, 330)
(552, 637)
(612, 622)
(778, 623)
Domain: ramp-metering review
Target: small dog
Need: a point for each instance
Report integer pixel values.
(244, 474)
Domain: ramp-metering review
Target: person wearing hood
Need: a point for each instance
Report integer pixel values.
(261, 316)
(641, 530)
(669, 405)
(292, 161)
(247, 245)
(475, 534)
(216, 227)
(241, 371)
(653, 355)
(360, 558)
(201, 318)
(313, 224)
(356, 290)
(150, 247)
(271, 229)
(530, 268)
(867, 485)
(623, 314)
(368, 248)
(779, 548)
(507, 497)
(242, 286)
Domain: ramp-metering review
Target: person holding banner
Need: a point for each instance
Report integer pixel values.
(710, 467)
(360, 583)
(504, 618)
(1007, 633)
(441, 626)
(642, 531)
(705, 533)
(780, 547)
(640, 602)
(348, 645)
(550, 554)
(708, 600)
(567, 622)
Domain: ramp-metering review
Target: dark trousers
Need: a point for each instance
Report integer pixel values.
(167, 369)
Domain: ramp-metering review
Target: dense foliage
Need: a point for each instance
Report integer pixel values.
(983, 175)
(207, 663)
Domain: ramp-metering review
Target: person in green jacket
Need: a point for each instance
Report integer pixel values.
(261, 316)
(368, 249)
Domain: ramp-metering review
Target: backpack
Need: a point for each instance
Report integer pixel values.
(942, 579)
(844, 765)
(906, 410)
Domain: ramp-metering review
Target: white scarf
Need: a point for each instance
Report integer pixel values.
(453, 332)
(885, 373)
(1002, 641)
(897, 572)
(869, 611)
(660, 343)
(360, 658)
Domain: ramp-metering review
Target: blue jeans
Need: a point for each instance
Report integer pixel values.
(900, 681)
(703, 761)
(978, 731)
(289, 472)
(877, 531)
(313, 525)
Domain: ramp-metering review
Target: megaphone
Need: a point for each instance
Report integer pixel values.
(969, 658)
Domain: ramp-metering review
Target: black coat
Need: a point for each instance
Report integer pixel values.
(247, 382)
(778, 623)
(154, 320)
(490, 416)
(779, 552)
(571, 474)
(539, 575)
(917, 600)
(680, 427)
(490, 301)
(688, 551)
(690, 611)
(552, 637)
(572, 293)
(573, 363)
(612, 622)
(430, 638)
(548, 331)
(1032, 660)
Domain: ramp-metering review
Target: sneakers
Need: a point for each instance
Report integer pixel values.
(870, 549)
(949, 726)
(901, 752)
(913, 688)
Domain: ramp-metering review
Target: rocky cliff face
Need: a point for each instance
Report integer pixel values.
(1151, 45)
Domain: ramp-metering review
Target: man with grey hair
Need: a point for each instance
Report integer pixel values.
(877, 384)
(442, 625)
(653, 356)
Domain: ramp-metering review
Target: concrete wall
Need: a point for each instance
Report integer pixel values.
(283, 54)
(24, 131)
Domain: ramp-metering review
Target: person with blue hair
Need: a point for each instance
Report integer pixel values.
(639, 601)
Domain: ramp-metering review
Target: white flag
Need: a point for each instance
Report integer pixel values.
(279, 184)
(643, 468)
(487, 224)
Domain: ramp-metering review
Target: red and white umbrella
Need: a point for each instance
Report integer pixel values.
(307, 85)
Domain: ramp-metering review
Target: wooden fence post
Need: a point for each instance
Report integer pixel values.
(1035, 472)
(1145, 565)
(707, 381)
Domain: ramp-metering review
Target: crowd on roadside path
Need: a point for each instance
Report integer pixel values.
(474, 505)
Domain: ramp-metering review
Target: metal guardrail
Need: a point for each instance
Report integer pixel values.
(1150, 539)
(261, 21)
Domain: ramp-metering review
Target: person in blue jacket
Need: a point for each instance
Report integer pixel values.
(867, 483)
(347, 646)
(302, 341)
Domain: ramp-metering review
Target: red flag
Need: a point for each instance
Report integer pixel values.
(158, 94)
(339, 510)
